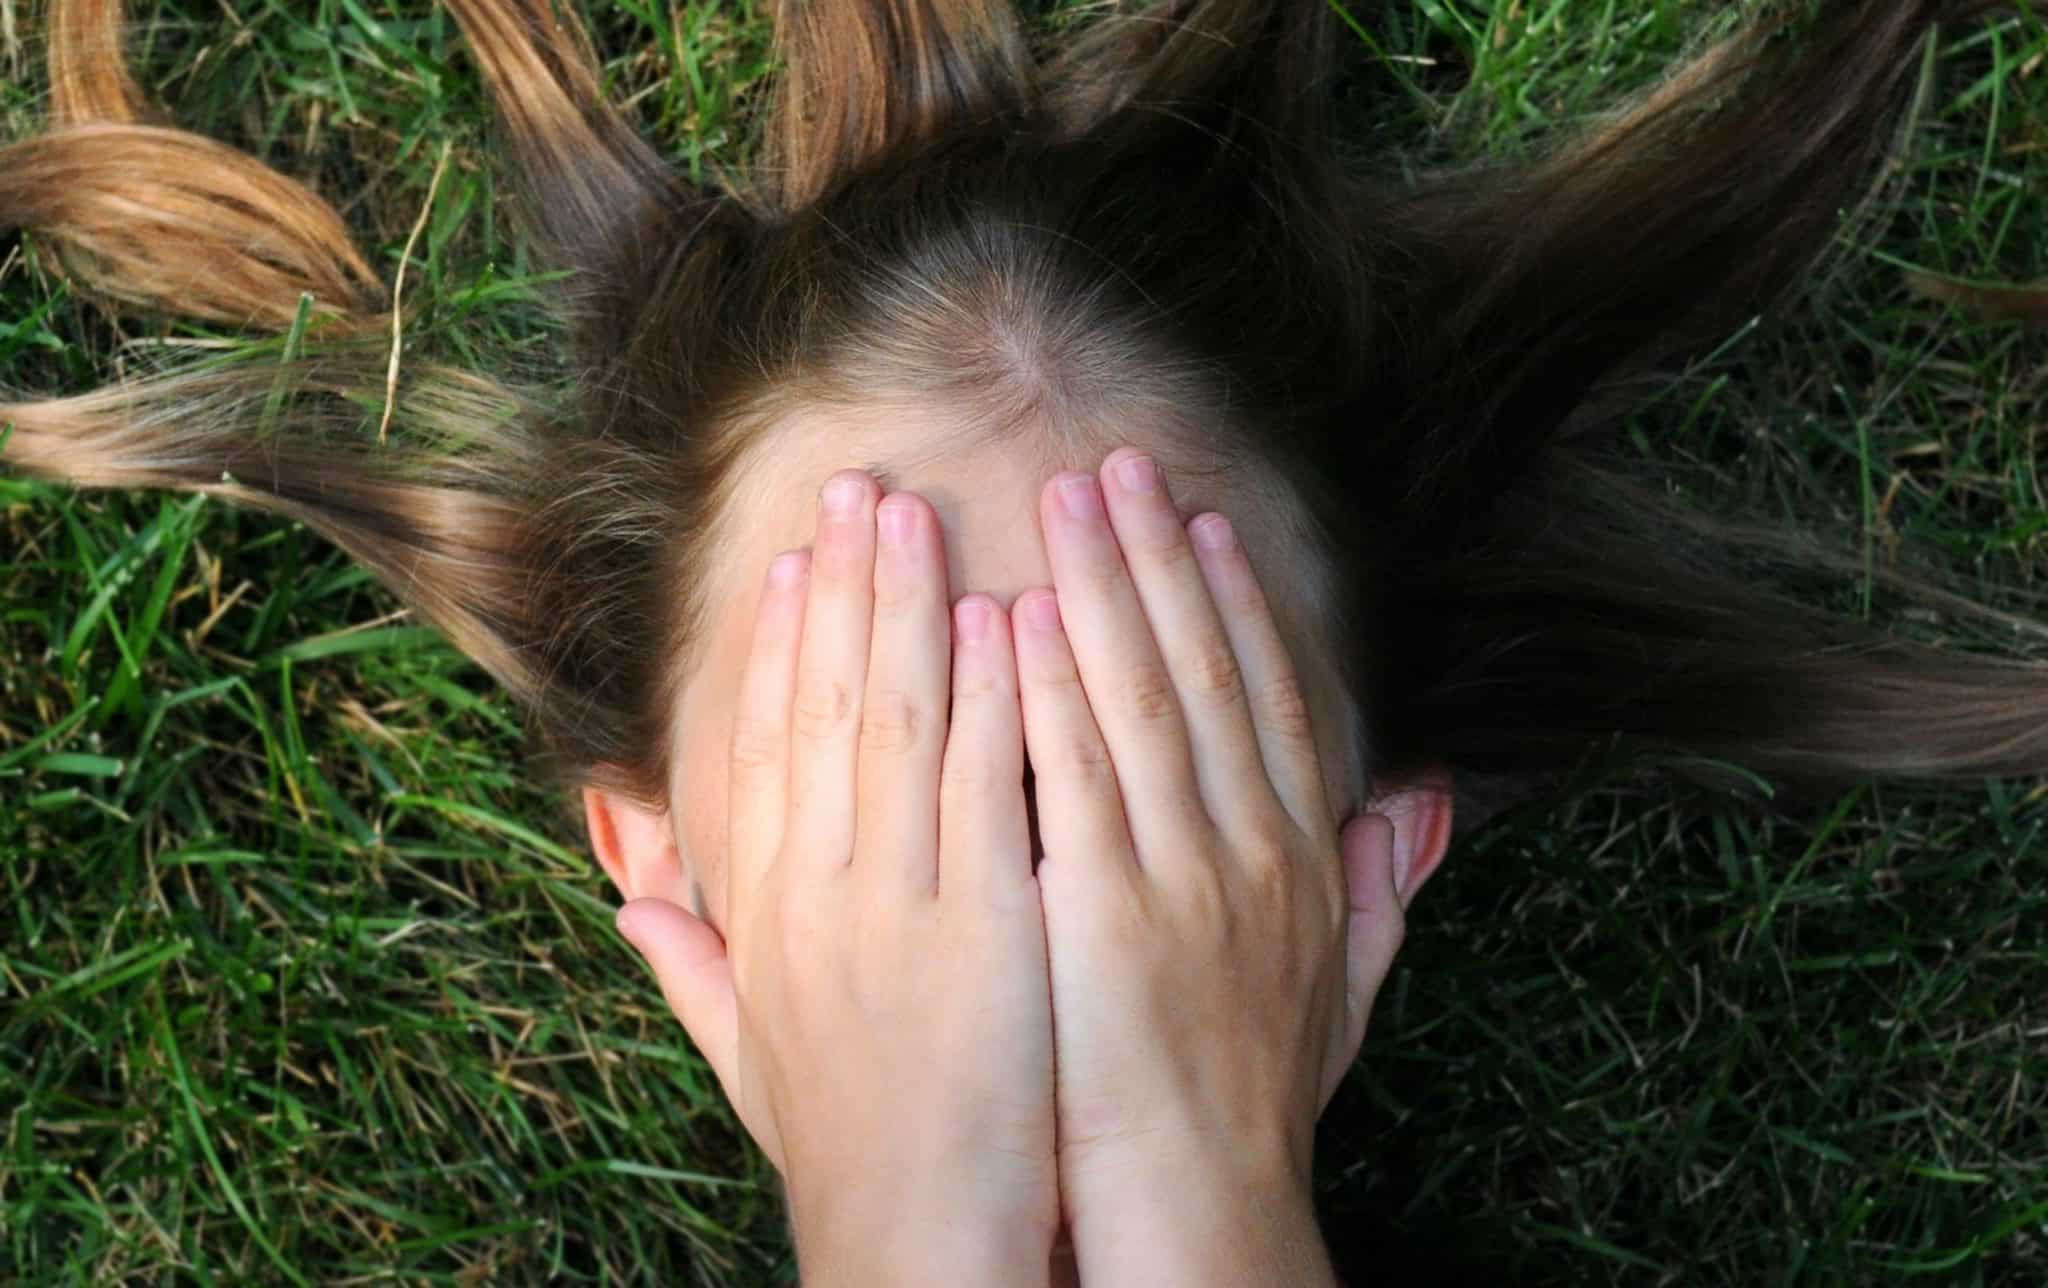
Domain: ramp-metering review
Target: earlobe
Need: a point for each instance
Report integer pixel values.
(636, 847)
(1420, 807)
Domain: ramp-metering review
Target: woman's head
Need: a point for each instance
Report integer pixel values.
(964, 329)
(972, 260)
(966, 312)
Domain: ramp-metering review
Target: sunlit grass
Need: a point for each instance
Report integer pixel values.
(302, 979)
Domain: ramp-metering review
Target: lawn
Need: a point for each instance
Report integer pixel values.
(304, 979)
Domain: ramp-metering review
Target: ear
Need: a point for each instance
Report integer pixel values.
(1419, 806)
(637, 848)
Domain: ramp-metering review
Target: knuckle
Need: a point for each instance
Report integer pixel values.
(840, 561)
(1086, 759)
(1165, 547)
(1262, 885)
(821, 708)
(1148, 693)
(1284, 707)
(1214, 674)
(967, 775)
(1105, 575)
(974, 683)
(1267, 857)
(1059, 680)
(1207, 906)
(897, 594)
(889, 721)
(1241, 595)
(758, 745)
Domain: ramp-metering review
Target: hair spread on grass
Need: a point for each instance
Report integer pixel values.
(1150, 212)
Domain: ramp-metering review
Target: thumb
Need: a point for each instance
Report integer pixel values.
(1372, 934)
(689, 962)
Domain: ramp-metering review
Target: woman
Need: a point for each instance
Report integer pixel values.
(969, 266)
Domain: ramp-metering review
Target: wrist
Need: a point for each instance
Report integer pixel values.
(1178, 1217)
(906, 1250)
(863, 1238)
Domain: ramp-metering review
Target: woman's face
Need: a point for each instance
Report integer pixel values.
(986, 501)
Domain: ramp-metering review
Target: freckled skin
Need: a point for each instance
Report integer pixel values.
(987, 505)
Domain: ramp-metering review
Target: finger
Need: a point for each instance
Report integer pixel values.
(757, 782)
(1128, 689)
(831, 674)
(1081, 818)
(903, 707)
(1374, 929)
(984, 831)
(1280, 713)
(1188, 630)
(689, 962)
(691, 966)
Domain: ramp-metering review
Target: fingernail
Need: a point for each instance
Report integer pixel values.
(625, 926)
(1139, 474)
(1080, 498)
(1043, 612)
(971, 616)
(842, 496)
(896, 522)
(1213, 533)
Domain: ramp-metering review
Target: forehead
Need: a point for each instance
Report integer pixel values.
(984, 490)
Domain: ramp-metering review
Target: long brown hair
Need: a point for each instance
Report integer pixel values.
(1154, 212)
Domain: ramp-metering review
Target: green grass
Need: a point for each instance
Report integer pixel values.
(301, 980)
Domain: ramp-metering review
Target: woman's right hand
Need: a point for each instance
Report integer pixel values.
(1210, 977)
(879, 1012)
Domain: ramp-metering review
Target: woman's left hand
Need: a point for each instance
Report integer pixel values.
(1216, 940)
